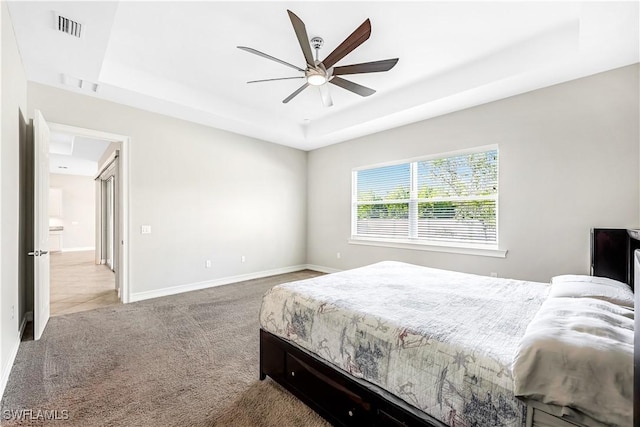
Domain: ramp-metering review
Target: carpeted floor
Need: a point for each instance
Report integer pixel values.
(184, 360)
(265, 403)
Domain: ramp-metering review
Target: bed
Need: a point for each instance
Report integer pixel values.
(400, 344)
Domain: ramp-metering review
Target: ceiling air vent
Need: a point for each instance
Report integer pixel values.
(69, 26)
(80, 83)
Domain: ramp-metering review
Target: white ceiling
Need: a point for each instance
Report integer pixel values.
(75, 155)
(180, 58)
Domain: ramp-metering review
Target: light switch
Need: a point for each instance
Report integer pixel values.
(145, 229)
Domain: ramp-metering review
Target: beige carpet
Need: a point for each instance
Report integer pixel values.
(184, 360)
(265, 403)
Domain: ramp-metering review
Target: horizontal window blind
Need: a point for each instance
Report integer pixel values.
(448, 199)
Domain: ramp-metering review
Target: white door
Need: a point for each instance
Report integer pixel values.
(110, 222)
(41, 225)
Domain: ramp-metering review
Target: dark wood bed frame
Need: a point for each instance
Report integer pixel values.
(334, 395)
(344, 401)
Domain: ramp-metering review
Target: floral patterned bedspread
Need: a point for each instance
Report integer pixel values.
(442, 341)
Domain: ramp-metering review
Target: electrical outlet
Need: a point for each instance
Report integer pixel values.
(493, 274)
(207, 263)
(13, 312)
(145, 229)
(242, 258)
(338, 255)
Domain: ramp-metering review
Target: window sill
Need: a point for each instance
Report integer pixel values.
(433, 247)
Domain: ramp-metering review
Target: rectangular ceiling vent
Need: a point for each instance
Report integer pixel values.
(68, 26)
(80, 83)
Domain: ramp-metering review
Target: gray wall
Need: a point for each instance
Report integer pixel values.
(78, 210)
(206, 193)
(568, 161)
(13, 93)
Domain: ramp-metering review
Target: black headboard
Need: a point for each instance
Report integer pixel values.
(612, 253)
(615, 253)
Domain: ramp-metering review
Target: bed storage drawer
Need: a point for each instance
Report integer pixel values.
(343, 404)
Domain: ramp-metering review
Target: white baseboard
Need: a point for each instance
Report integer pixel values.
(140, 296)
(6, 369)
(322, 269)
(87, 248)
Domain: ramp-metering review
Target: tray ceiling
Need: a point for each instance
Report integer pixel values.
(180, 58)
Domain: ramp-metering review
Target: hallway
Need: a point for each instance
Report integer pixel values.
(78, 284)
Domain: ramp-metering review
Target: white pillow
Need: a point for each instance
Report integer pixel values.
(576, 286)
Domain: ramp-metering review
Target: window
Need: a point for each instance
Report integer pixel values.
(437, 200)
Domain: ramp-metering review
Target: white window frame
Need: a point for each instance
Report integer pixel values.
(412, 242)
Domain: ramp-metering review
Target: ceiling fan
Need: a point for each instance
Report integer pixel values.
(319, 73)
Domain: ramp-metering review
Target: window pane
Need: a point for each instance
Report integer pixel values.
(455, 200)
(466, 175)
(469, 221)
(385, 183)
(387, 220)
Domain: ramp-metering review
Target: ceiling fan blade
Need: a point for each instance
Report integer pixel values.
(264, 55)
(351, 86)
(326, 95)
(359, 36)
(273, 80)
(367, 67)
(290, 97)
(303, 38)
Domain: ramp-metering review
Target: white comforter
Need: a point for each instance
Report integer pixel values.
(577, 353)
(442, 341)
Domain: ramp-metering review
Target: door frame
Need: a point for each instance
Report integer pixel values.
(123, 196)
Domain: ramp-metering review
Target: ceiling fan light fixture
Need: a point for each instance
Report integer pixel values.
(316, 79)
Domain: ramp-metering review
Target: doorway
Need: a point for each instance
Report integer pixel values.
(86, 276)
